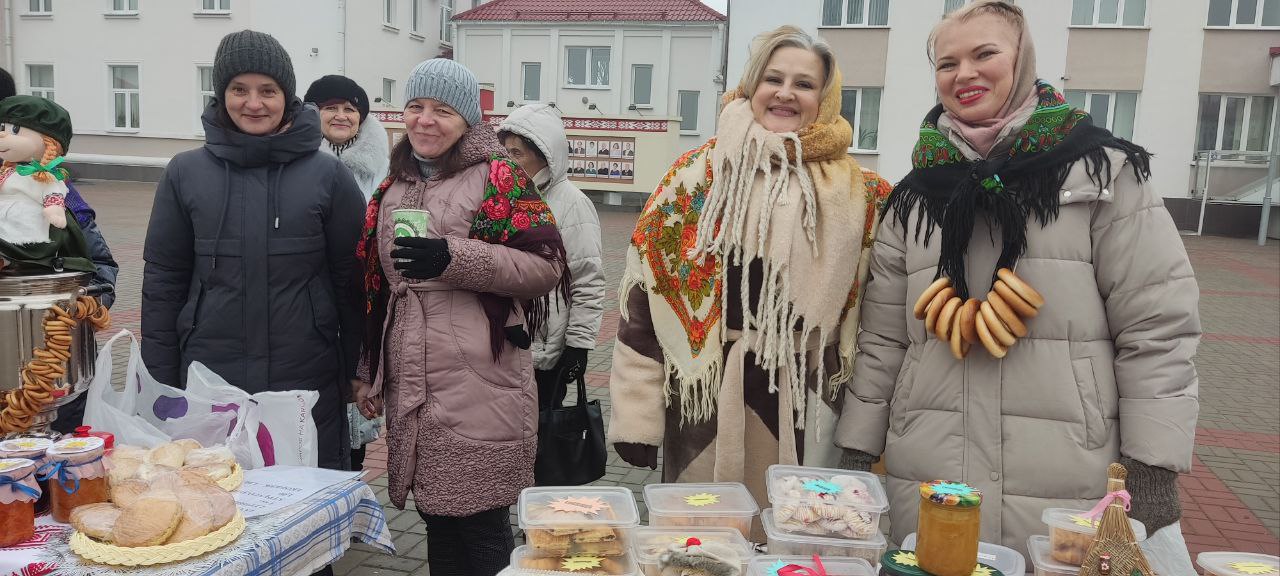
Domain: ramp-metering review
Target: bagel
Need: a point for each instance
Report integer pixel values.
(959, 346)
(1007, 315)
(996, 327)
(946, 318)
(989, 341)
(968, 313)
(1021, 288)
(922, 303)
(935, 308)
(1022, 307)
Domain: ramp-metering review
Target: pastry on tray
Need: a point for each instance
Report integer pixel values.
(148, 522)
(96, 520)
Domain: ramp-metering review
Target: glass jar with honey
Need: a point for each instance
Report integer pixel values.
(76, 475)
(32, 448)
(947, 543)
(18, 495)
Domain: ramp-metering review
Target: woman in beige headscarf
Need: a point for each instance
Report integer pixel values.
(739, 301)
(1079, 353)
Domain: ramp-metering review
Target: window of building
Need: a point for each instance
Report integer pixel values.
(687, 109)
(415, 16)
(446, 17)
(388, 91)
(389, 12)
(1244, 13)
(1235, 122)
(855, 12)
(40, 80)
(587, 67)
(215, 5)
(125, 106)
(861, 108)
(642, 84)
(531, 73)
(1109, 12)
(1115, 111)
(40, 7)
(949, 6)
(124, 6)
(205, 74)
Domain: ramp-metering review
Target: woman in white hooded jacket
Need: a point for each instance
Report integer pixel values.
(534, 137)
(360, 143)
(350, 133)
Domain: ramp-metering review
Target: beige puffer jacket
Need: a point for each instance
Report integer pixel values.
(1105, 370)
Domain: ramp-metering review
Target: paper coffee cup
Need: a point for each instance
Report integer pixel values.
(411, 223)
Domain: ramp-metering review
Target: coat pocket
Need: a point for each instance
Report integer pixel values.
(1095, 425)
(324, 314)
(899, 404)
(190, 315)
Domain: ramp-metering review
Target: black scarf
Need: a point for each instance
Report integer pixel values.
(945, 190)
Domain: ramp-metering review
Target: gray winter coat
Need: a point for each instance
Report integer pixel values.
(1106, 369)
(251, 268)
(576, 323)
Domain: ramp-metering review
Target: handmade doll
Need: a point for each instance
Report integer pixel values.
(36, 231)
(697, 559)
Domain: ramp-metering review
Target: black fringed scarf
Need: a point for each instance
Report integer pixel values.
(946, 190)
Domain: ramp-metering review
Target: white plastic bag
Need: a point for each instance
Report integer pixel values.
(113, 410)
(277, 427)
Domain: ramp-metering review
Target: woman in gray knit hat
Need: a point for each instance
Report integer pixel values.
(450, 314)
(250, 252)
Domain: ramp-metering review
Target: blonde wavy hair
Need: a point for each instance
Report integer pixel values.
(999, 8)
(785, 36)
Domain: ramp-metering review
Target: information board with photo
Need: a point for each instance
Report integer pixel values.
(602, 159)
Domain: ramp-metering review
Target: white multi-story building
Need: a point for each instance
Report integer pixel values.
(1176, 77)
(642, 74)
(135, 74)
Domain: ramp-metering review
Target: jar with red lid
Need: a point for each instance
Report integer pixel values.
(18, 495)
(32, 448)
(76, 475)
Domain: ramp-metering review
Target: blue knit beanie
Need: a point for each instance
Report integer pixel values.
(448, 82)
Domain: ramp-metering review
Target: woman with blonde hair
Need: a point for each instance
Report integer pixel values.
(741, 291)
(1077, 307)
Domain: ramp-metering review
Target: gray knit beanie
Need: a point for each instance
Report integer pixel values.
(248, 51)
(449, 82)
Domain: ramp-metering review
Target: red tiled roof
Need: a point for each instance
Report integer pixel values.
(592, 11)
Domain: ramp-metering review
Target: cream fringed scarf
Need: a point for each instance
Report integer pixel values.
(799, 204)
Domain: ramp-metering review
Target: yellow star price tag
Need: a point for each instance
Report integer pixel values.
(1085, 522)
(1253, 568)
(575, 563)
(702, 499)
(906, 558)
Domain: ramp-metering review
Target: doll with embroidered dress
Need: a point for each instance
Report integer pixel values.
(37, 233)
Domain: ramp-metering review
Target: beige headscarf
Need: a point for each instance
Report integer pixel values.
(983, 135)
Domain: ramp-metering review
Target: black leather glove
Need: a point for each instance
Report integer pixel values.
(638, 455)
(421, 258)
(517, 336)
(857, 460)
(573, 364)
(1155, 494)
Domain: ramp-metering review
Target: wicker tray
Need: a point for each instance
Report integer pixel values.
(232, 483)
(91, 549)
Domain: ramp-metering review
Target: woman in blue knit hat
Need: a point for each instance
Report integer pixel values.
(451, 309)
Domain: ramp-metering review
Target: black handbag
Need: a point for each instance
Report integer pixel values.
(571, 450)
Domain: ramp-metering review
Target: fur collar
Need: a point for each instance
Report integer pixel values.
(367, 156)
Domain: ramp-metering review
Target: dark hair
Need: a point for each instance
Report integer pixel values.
(7, 87)
(504, 134)
(404, 165)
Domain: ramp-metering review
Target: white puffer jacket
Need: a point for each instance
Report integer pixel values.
(578, 323)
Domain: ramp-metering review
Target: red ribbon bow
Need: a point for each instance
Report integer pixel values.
(798, 570)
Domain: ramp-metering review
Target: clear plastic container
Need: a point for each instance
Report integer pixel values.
(652, 541)
(525, 563)
(826, 502)
(1237, 563)
(1070, 534)
(724, 504)
(785, 544)
(1007, 560)
(1043, 562)
(768, 565)
(578, 521)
